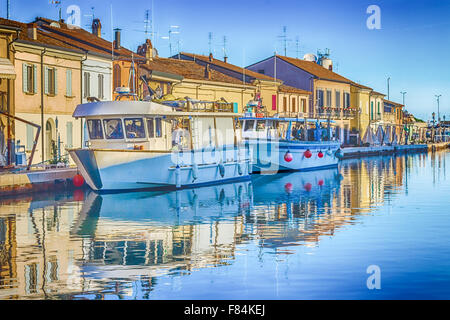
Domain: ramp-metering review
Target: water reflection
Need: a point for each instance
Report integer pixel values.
(120, 245)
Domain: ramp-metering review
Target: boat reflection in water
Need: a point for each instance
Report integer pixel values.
(148, 233)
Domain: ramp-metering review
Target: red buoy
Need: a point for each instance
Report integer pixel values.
(288, 157)
(320, 154)
(78, 181)
(308, 186)
(288, 187)
(320, 183)
(307, 154)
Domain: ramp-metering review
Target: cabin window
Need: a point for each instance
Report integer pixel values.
(151, 128)
(249, 125)
(95, 129)
(135, 128)
(113, 128)
(158, 127)
(260, 125)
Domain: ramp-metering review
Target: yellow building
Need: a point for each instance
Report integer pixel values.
(360, 97)
(46, 93)
(7, 82)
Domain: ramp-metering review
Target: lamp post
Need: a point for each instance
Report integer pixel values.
(432, 130)
(388, 79)
(437, 98)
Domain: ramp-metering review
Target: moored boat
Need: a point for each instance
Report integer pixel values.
(290, 144)
(135, 145)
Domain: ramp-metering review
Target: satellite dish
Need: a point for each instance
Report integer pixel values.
(310, 57)
(55, 25)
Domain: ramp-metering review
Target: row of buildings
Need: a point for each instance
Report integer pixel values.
(48, 67)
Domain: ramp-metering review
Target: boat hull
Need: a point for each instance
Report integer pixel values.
(270, 155)
(118, 170)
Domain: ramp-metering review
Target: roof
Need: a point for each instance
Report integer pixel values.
(188, 69)
(83, 39)
(42, 39)
(288, 89)
(229, 66)
(315, 69)
(377, 93)
(393, 103)
(360, 86)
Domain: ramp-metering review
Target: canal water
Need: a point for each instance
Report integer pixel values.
(376, 228)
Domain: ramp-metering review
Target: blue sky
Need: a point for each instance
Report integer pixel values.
(412, 47)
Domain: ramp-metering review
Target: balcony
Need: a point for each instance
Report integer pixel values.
(335, 113)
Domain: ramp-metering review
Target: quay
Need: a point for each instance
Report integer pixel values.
(356, 152)
(13, 183)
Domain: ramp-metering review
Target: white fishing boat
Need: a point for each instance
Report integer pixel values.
(289, 144)
(140, 145)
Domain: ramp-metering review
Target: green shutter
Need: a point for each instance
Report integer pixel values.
(69, 82)
(69, 128)
(30, 137)
(35, 79)
(46, 91)
(24, 77)
(55, 75)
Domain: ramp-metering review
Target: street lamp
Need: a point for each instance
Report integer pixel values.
(437, 97)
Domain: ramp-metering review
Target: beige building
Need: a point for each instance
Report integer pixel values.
(47, 91)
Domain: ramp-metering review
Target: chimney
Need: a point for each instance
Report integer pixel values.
(32, 31)
(225, 59)
(210, 57)
(330, 67)
(207, 72)
(97, 27)
(147, 50)
(117, 39)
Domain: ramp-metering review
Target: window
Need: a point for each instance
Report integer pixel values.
(261, 71)
(50, 81)
(87, 85)
(346, 100)
(135, 128)
(95, 129)
(113, 128)
(274, 102)
(151, 128)
(293, 105)
(158, 127)
(101, 81)
(249, 125)
(329, 98)
(304, 105)
(117, 79)
(260, 125)
(378, 105)
(284, 104)
(319, 98)
(29, 78)
(69, 82)
(338, 99)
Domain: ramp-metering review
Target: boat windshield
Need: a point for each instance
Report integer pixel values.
(249, 125)
(113, 128)
(95, 129)
(134, 128)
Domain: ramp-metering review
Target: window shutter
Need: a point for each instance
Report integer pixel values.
(274, 102)
(55, 75)
(24, 77)
(69, 82)
(30, 137)
(69, 127)
(46, 80)
(35, 79)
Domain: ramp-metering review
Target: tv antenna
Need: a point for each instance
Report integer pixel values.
(172, 30)
(284, 39)
(56, 3)
(148, 27)
(210, 39)
(225, 48)
(297, 46)
(92, 16)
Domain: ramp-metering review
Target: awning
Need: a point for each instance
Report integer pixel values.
(7, 69)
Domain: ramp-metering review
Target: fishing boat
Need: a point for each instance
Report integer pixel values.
(132, 145)
(289, 144)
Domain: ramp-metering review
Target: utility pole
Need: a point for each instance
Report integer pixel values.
(437, 97)
(403, 93)
(8, 6)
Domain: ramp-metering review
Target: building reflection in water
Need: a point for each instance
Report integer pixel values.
(116, 245)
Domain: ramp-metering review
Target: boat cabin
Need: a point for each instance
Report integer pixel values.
(136, 125)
